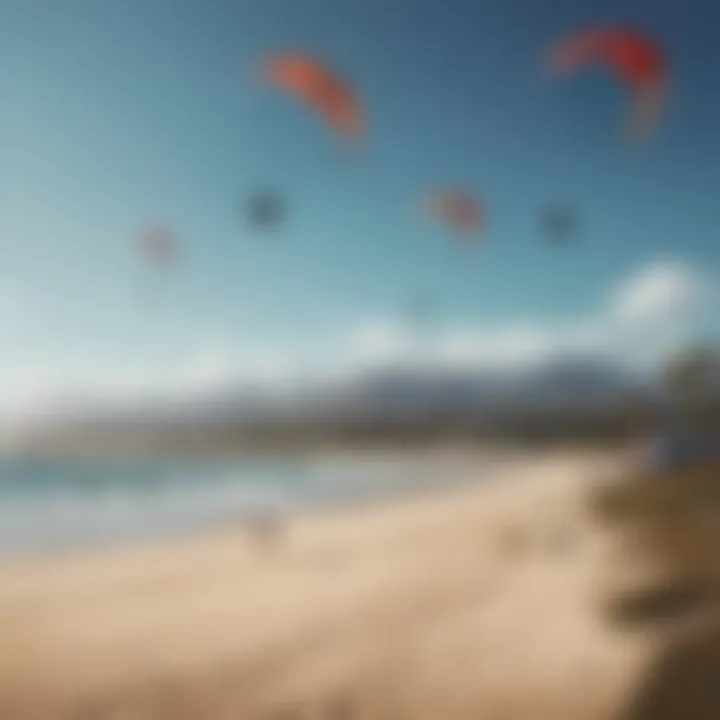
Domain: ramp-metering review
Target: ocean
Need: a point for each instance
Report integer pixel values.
(59, 505)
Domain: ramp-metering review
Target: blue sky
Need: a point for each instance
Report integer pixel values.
(113, 114)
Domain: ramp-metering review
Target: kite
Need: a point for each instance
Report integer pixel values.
(559, 223)
(634, 58)
(159, 246)
(315, 83)
(265, 209)
(458, 209)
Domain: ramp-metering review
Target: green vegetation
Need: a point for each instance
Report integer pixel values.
(673, 516)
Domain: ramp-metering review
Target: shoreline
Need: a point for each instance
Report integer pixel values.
(242, 493)
(392, 606)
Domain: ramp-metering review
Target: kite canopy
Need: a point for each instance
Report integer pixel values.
(633, 56)
(458, 209)
(559, 223)
(315, 83)
(265, 209)
(158, 245)
(636, 59)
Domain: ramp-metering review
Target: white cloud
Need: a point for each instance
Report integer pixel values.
(648, 314)
(658, 311)
(513, 346)
(661, 292)
(380, 340)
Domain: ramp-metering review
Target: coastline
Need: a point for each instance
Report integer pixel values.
(434, 605)
(63, 504)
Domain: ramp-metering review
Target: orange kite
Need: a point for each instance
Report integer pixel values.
(316, 84)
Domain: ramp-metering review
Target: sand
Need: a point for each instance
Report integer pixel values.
(482, 601)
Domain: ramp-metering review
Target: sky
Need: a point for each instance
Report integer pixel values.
(114, 115)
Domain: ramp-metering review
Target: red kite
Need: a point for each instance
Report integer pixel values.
(635, 58)
(458, 209)
(158, 245)
(316, 84)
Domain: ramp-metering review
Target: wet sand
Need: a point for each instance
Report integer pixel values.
(483, 601)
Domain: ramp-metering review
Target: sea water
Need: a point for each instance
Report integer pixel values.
(59, 504)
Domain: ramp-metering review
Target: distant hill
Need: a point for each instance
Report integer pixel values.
(580, 395)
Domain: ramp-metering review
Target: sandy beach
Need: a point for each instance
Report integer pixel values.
(482, 601)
